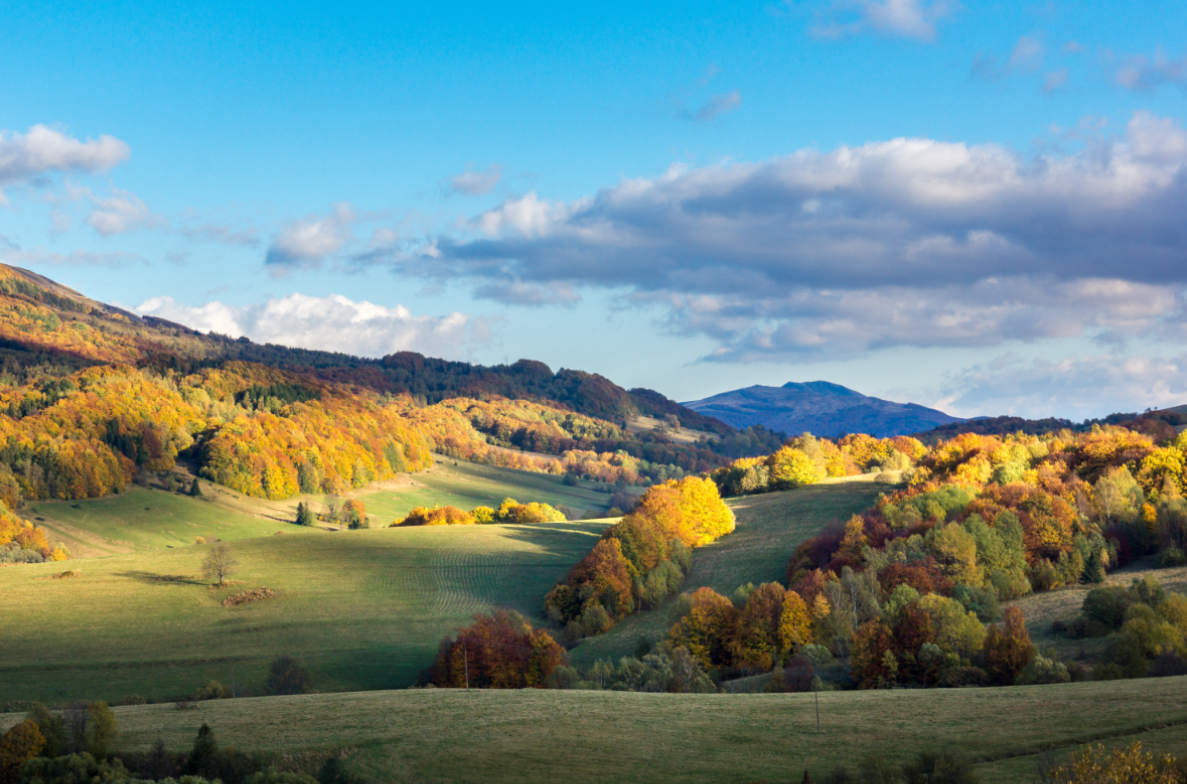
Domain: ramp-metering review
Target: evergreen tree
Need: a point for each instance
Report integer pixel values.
(195, 489)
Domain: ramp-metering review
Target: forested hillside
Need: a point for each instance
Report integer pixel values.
(91, 397)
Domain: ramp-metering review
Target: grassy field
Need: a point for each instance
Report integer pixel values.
(363, 609)
(143, 519)
(467, 485)
(153, 518)
(458, 736)
(770, 527)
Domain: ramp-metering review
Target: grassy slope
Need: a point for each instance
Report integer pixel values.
(364, 609)
(467, 485)
(1064, 605)
(146, 519)
(143, 519)
(770, 527)
(456, 736)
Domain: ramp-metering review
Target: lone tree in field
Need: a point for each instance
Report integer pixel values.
(305, 515)
(220, 562)
(196, 489)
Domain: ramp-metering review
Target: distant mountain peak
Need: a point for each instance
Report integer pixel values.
(821, 408)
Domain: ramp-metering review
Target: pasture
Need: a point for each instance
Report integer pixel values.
(467, 485)
(511, 736)
(362, 609)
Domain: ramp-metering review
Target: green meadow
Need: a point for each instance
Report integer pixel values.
(363, 609)
(512, 736)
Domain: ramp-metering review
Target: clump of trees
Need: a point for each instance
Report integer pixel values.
(642, 560)
(1146, 629)
(23, 542)
(510, 511)
(498, 651)
(664, 668)
(806, 460)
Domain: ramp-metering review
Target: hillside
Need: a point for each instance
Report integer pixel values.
(820, 408)
(363, 609)
(93, 399)
(530, 735)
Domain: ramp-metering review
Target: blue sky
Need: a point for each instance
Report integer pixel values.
(977, 206)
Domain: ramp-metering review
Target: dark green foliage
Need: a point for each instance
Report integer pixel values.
(53, 729)
(933, 768)
(305, 515)
(195, 488)
(274, 776)
(101, 729)
(335, 772)
(287, 676)
(983, 602)
(82, 768)
(1107, 606)
(275, 397)
(158, 764)
(204, 750)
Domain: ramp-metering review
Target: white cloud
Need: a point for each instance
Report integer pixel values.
(901, 18)
(306, 243)
(1076, 388)
(122, 211)
(42, 150)
(332, 323)
(902, 242)
(476, 183)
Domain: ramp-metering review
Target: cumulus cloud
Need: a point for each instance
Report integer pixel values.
(902, 242)
(42, 150)
(306, 243)
(900, 18)
(332, 323)
(476, 183)
(122, 211)
(1076, 388)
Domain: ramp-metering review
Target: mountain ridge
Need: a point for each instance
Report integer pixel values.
(822, 408)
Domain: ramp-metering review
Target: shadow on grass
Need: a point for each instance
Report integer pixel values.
(159, 579)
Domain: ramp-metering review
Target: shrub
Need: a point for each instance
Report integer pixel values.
(960, 677)
(1107, 607)
(1043, 670)
(287, 676)
(1171, 556)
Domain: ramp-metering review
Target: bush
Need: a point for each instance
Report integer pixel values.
(287, 676)
(1043, 670)
(1107, 607)
(960, 677)
(1171, 556)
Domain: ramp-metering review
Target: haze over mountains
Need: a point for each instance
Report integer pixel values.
(820, 408)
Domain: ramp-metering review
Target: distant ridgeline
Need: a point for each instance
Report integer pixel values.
(91, 396)
(1159, 425)
(819, 408)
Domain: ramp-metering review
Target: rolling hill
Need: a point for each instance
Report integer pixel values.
(820, 408)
